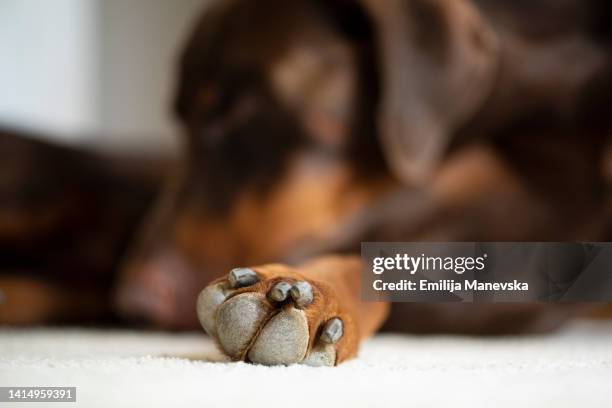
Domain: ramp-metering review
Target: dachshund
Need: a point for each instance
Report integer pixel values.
(310, 126)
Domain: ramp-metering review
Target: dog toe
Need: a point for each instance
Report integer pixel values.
(322, 355)
(212, 296)
(208, 302)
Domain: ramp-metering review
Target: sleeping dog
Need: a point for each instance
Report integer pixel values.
(310, 126)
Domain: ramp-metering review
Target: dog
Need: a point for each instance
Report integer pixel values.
(67, 215)
(311, 126)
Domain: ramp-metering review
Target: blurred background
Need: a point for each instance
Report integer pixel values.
(98, 71)
(103, 73)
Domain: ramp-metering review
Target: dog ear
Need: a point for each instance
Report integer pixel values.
(437, 60)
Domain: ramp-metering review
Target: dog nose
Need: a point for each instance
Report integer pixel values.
(160, 291)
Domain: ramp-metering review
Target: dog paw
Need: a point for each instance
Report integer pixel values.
(272, 315)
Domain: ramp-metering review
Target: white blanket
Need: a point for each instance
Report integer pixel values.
(572, 368)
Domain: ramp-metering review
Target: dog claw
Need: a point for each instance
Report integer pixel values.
(241, 277)
(301, 293)
(333, 330)
(280, 291)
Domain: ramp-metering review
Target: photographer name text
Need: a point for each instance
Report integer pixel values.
(448, 285)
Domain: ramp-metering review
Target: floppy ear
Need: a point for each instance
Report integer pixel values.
(438, 60)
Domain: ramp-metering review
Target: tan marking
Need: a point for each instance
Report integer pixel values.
(308, 203)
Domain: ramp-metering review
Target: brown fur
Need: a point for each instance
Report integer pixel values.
(337, 122)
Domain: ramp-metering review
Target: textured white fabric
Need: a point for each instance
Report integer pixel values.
(572, 368)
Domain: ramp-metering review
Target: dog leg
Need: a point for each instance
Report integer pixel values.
(26, 300)
(275, 314)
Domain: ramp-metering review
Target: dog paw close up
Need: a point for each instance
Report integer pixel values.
(274, 316)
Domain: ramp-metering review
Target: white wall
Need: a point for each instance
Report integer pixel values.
(140, 42)
(48, 65)
(101, 70)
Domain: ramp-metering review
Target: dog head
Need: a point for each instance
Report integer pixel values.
(378, 86)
